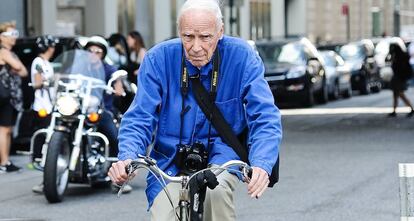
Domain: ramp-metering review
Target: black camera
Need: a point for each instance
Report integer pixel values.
(191, 158)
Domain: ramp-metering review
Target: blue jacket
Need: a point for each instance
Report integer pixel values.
(243, 97)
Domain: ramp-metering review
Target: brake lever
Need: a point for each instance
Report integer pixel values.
(247, 173)
(130, 169)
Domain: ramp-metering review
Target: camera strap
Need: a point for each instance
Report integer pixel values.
(217, 119)
(184, 87)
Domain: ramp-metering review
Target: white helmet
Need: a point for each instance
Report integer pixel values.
(98, 41)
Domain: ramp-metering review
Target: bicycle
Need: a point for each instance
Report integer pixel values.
(190, 199)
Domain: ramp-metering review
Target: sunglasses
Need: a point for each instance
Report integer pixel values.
(96, 51)
(13, 33)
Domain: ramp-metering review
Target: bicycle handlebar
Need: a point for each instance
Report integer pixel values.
(151, 165)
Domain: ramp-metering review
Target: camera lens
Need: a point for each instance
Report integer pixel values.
(193, 162)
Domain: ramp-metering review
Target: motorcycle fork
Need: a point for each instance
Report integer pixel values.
(49, 132)
(76, 143)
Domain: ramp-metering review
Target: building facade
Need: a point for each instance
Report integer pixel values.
(327, 21)
(320, 20)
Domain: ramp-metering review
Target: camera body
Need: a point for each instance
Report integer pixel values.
(191, 158)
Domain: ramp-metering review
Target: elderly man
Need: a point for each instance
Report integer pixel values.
(243, 97)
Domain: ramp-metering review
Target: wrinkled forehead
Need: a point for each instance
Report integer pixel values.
(198, 21)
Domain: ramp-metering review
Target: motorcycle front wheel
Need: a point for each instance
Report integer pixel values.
(56, 170)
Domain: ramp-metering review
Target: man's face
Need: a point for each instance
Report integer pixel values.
(97, 51)
(199, 34)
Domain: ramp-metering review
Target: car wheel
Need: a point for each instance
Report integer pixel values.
(348, 92)
(308, 98)
(335, 92)
(376, 88)
(323, 94)
(364, 87)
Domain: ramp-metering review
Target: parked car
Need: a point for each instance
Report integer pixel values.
(364, 69)
(381, 52)
(338, 75)
(330, 47)
(294, 70)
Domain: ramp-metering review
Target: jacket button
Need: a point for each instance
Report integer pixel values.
(169, 173)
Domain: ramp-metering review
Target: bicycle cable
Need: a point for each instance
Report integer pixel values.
(164, 187)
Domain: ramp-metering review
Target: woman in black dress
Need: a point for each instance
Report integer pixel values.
(11, 70)
(402, 72)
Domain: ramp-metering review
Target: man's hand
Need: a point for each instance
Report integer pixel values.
(117, 172)
(118, 88)
(258, 183)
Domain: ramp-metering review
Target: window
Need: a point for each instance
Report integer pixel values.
(260, 21)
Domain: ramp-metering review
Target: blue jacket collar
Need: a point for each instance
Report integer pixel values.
(193, 70)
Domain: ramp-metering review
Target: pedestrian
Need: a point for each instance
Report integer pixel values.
(402, 72)
(118, 50)
(41, 74)
(411, 54)
(242, 95)
(137, 48)
(11, 97)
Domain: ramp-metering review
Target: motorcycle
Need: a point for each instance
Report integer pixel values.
(74, 151)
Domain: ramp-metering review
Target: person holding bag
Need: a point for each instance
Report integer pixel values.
(11, 70)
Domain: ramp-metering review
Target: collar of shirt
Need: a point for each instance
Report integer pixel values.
(193, 70)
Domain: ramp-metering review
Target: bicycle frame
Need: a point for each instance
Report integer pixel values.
(184, 200)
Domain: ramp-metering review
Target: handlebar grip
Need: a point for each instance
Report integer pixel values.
(127, 169)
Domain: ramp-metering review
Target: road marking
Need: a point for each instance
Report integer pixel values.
(344, 110)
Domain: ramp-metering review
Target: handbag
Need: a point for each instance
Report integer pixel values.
(4, 88)
(216, 118)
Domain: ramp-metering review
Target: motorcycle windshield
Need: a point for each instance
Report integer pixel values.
(82, 72)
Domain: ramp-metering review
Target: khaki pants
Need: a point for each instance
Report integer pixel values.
(218, 205)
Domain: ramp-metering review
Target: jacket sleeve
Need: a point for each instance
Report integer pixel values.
(263, 117)
(139, 121)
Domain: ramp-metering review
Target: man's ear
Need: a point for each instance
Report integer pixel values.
(221, 32)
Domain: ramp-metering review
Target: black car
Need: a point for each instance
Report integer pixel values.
(364, 69)
(294, 71)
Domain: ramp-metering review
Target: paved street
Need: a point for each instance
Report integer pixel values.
(338, 162)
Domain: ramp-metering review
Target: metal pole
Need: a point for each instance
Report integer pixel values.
(348, 26)
(397, 18)
(361, 24)
(406, 174)
(231, 4)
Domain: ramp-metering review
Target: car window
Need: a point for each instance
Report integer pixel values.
(352, 52)
(382, 48)
(287, 53)
(328, 59)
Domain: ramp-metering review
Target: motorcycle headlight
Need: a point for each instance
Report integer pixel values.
(67, 105)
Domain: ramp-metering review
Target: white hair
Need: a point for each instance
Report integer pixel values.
(207, 5)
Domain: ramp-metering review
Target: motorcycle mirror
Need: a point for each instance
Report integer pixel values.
(116, 75)
(134, 88)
